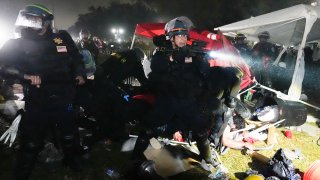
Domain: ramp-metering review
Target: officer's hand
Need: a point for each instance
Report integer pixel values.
(35, 80)
(80, 80)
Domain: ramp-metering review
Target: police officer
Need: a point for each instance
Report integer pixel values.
(177, 80)
(124, 64)
(43, 58)
(263, 54)
(86, 42)
(243, 48)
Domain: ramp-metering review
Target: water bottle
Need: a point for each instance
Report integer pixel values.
(112, 173)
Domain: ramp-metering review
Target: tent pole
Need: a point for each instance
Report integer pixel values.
(298, 75)
(133, 39)
(280, 54)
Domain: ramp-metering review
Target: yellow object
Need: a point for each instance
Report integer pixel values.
(254, 177)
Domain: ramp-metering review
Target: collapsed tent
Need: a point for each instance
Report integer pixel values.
(225, 54)
(293, 26)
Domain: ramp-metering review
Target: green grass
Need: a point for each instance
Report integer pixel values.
(236, 162)
(101, 158)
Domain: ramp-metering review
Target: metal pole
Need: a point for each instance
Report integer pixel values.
(133, 39)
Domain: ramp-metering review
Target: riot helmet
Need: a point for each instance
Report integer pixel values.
(240, 36)
(84, 34)
(34, 16)
(178, 26)
(264, 35)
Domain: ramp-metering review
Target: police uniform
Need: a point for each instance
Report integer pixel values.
(263, 56)
(122, 65)
(244, 51)
(49, 57)
(178, 81)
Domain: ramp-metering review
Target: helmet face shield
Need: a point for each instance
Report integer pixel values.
(178, 26)
(182, 32)
(26, 19)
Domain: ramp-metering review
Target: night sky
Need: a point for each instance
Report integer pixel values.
(65, 11)
(206, 13)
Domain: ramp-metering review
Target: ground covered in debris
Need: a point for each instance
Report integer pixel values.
(103, 157)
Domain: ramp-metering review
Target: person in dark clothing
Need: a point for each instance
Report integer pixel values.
(177, 81)
(52, 67)
(242, 47)
(125, 64)
(85, 42)
(263, 55)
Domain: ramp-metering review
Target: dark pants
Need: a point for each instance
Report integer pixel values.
(178, 114)
(37, 121)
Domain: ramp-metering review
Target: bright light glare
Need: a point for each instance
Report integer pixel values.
(119, 40)
(121, 31)
(212, 54)
(223, 56)
(113, 30)
(5, 34)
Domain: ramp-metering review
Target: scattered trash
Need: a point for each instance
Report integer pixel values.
(268, 113)
(295, 154)
(11, 134)
(112, 173)
(129, 144)
(272, 178)
(155, 143)
(177, 136)
(219, 175)
(288, 134)
(282, 167)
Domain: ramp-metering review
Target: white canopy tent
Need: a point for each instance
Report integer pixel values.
(293, 26)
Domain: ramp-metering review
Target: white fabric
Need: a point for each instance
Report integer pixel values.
(293, 26)
(285, 26)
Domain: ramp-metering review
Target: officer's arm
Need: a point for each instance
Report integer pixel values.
(9, 60)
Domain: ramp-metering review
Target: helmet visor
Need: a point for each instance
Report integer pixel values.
(27, 19)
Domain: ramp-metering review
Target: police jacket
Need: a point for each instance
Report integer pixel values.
(175, 73)
(264, 49)
(243, 49)
(50, 56)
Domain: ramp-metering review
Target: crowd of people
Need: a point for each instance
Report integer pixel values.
(262, 56)
(182, 93)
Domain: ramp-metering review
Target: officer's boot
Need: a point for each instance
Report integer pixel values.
(147, 171)
(71, 157)
(203, 145)
(26, 160)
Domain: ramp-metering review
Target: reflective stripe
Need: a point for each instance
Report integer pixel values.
(42, 8)
(178, 29)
